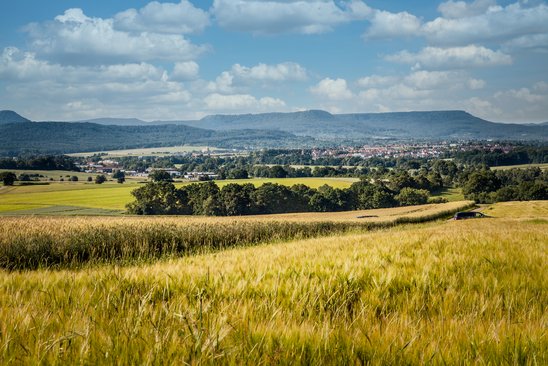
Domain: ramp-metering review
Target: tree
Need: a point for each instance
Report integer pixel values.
(160, 176)
(24, 177)
(236, 199)
(74, 178)
(90, 179)
(273, 198)
(159, 198)
(411, 196)
(120, 176)
(238, 174)
(8, 178)
(100, 179)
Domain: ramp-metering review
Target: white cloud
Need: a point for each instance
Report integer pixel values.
(261, 72)
(537, 42)
(18, 65)
(57, 91)
(163, 18)
(217, 101)
(523, 94)
(460, 9)
(239, 76)
(431, 80)
(289, 16)
(376, 81)
(519, 25)
(78, 39)
(454, 57)
(332, 89)
(188, 70)
(388, 25)
(475, 84)
(499, 24)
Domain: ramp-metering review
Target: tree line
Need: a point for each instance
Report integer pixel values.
(488, 186)
(163, 198)
(40, 162)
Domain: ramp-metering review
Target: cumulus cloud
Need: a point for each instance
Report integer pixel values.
(217, 101)
(376, 81)
(157, 17)
(114, 90)
(279, 72)
(16, 65)
(463, 23)
(500, 24)
(185, 71)
(76, 38)
(240, 76)
(460, 9)
(332, 89)
(286, 16)
(453, 57)
(388, 25)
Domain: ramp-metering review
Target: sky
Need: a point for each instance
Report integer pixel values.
(179, 60)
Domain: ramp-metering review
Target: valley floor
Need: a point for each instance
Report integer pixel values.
(447, 292)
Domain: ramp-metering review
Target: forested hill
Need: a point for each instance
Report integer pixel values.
(399, 125)
(66, 137)
(360, 127)
(11, 117)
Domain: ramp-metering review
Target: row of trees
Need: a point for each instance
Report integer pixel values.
(487, 186)
(46, 162)
(245, 199)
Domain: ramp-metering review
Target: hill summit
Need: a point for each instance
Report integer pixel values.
(12, 117)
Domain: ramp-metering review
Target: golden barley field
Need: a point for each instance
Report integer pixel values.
(34, 242)
(442, 292)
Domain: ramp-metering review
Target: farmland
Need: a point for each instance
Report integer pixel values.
(151, 151)
(522, 166)
(80, 197)
(446, 292)
(65, 241)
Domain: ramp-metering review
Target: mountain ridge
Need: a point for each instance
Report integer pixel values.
(266, 130)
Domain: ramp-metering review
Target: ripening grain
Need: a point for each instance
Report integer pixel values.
(33, 242)
(459, 292)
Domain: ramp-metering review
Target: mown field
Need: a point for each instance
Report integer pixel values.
(152, 151)
(68, 198)
(543, 166)
(447, 292)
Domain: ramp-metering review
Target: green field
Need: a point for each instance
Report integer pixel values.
(80, 197)
(54, 174)
(152, 151)
(451, 194)
(522, 166)
(447, 292)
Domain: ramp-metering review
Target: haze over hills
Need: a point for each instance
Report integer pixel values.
(267, 130)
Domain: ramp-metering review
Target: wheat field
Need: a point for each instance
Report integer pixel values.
(446, 292)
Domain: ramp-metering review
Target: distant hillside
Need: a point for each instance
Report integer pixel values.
(11, 117)
(267, 130)
(116, 121)
(359, 126)
(66, 137)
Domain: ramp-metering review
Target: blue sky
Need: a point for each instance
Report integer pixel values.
(69, 60)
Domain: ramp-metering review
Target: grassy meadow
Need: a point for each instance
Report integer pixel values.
(445, 292)
(69, 198)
